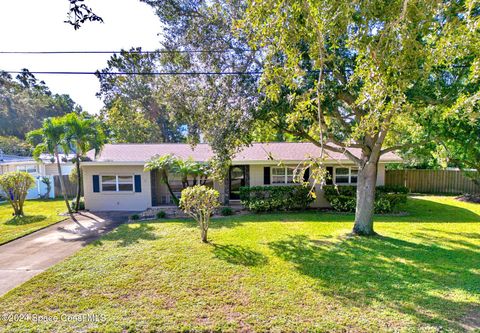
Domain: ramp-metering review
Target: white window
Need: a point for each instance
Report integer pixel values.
(30, 168)
(346, 176)
(282, 175)
(117, 183)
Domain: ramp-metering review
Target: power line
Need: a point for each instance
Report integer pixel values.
(135, 73)
(125, 51)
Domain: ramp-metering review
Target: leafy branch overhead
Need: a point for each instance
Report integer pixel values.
(80, 13)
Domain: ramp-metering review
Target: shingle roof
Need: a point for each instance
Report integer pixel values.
(280, 151)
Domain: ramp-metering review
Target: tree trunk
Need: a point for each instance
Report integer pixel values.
(367, 180)
(204, 235)
(62, 184)
(174, 197)
(79, 184)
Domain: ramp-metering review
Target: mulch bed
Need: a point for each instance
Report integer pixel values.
(474, 198)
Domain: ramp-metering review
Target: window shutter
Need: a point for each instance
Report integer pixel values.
(306, 175)
(329, 180)
(138, 183)
(266, 176)
(96, 183)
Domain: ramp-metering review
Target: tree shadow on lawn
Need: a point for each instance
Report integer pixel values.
(402, 275)
(239, 255)
(23, 220)
(419, 211)
(129, 234)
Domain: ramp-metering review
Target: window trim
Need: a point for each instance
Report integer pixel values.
(349, 175)
(285, 175)
(117, 183)
(24, 167)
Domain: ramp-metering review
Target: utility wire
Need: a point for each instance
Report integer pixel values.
(125, 51)
(135, 73)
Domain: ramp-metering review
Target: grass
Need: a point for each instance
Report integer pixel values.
(272, 272)
(38, 214)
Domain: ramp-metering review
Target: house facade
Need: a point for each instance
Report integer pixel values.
(116, 179)
(44, 167)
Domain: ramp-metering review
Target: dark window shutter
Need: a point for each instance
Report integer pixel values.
(266, 175)
(96, 183)
(306, 175)
(329, 180)
(138, 183)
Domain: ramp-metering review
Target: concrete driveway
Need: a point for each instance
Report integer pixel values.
(28, 256)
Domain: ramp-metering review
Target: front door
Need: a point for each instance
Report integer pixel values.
(237, 180)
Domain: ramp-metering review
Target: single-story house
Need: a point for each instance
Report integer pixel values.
(116, 179)
(45, 167)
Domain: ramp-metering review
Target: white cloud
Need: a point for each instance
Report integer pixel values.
(33, 25)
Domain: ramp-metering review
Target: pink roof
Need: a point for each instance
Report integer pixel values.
(275, 151)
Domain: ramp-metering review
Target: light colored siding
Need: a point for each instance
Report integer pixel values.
(381, 174)
(126, 201)
(256, 175)
(51, 169)
(256, 179)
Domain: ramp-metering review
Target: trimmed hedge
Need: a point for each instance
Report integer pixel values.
(275, 198)
(387, 198)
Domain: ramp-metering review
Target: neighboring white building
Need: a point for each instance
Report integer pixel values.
(116, 179)
(38, 169)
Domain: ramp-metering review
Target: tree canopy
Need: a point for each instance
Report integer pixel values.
(25, 102)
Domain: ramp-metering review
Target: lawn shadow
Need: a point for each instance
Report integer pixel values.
(239, 255)
(401, 275)
(26, 220)
(129, 234)
(421, 210)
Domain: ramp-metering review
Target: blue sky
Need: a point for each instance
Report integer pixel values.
(33, 25)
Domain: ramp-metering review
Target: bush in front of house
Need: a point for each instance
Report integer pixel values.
(275, 198)
(387, 198)
(14, 188)
(135, 217)
(81, 204)
(226, 211)
(200, 202)
(161, 215)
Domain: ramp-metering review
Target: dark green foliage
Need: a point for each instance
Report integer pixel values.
(25, 102)
(387, 198)
(226, 211)
(135, 217)
(275, 198)
(81, 205)
(161, 215)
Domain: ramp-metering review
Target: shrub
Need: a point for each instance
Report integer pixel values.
(161, 215)
(343, 203)
(14, 188)
(200, 202)
(226, 211)
(81, 205)
(387, 198)
(135, 217)
(393, 189)
(275, 198)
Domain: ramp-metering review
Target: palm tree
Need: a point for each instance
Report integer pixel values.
(185, 168)
(82, 135)
(48, 139)
(163, 164)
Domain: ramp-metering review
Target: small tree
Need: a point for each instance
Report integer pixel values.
(48, 184)
(200, 202)
(14, 187)
(163, 164)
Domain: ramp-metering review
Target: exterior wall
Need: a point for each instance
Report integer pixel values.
(256, 179)
(51, 169)
(132, 201)
(126, 201)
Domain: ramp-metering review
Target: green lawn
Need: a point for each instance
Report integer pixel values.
(38, 214)
(277, 272)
